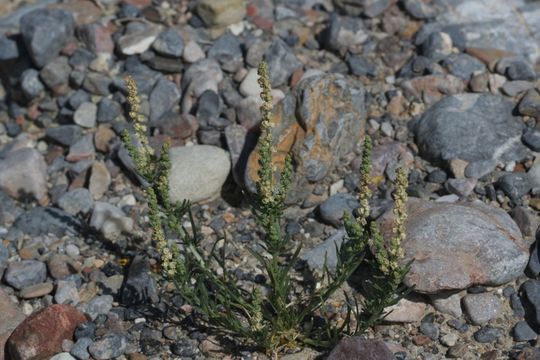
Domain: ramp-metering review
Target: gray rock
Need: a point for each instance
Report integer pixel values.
(460, 187)
(515, 185)
(80, 348)
(513, 88)
(360, 66)
(163, 98)
(526, 220)
(66, 292)
(221, 12)
(66, 135)
(479, 169)
(531, 138)
(25, 273)
(419, 9)
(138, 41)
(523, 332)
(344, 33)
(360, 348)
(78, 98)
(44, 220)
(8, 49)
(332, 209)
(98, 84)
(108, 110)
(481, 308)
(45, 32)
(77, 201)
(530, 104)
(85, 115)
(202, 75)
(30, 84)
(82, 149)
(369, 8)
(281, 62)
(110, 220)
(437, 46)
(208, 108)
(463, 66)
(110, 346)
(208, 167)
(429, 329)
(99, 305)
(447, 303)
(56, 73)
(325, 251)
(139, 287)
(169, 43)
(227, 51)
(450, 129)
(460, 244)
(4, 256)
(516, 68)
(488, 334)
(24, 172)
(517, 306)
(530, 297)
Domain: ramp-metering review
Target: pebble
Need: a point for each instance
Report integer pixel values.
(514, 185)
(449, 339)
(344, 33)
(482, 308)
(97, 306)
(31, 85)
(357, 347)
(66, 293)
(192, 52)
(530, 104)
(77, 201)
(516, 69)
(25, 273)
(100, 180)
(281, 62)
(332, 209)
(447, 303)
(8, 49)
(530, 296)
(463, 66)
(209, 167)
(45, 32)
(523, 332)
(437, 46)
(62, 356)
(82, 149)
(80, 348)
(109, 347)
(138, 42)
(110, 220)
(227, 50)
(55, 74)
(169, 43)
(165, 95)
(250, 85)
(488, 334)
(86, 115)
(108, 110)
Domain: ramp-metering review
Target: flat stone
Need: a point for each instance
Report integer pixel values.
(209, 167)
(109, 347)
(407, 310)
(530, 104)
(139, 41)
(85, 115)
(482, 245)
(25, 273)
(77, 201)
(37, 290)
(447, 303)
(100, 180)
(523, 332)
(40, 336)
(450, 129)
(100, 305)
(360, 348)
(282, 62)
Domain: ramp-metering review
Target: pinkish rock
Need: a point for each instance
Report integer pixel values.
(357, 347)
(11, 318)
(40, 336)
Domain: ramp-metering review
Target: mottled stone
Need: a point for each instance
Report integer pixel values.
(360, 348)
(221, 12)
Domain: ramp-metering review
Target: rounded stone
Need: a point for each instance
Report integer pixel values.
(198, 172)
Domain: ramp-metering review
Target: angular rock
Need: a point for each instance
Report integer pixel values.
(165, 95)
(40, 336)
(85, 115)
(140, 286)
(344, 33)
(530, 297)
(281, 62)
(227, 50)
(77, 201)
(23, 173)
(324, 252)
(96, 37)
(450, 129)
(208, 167)
(109, 347)
(8, 49)
(139, 41)
(481, 308)
(56, 74)
(460, 245)
(82, 149)
(221, 12)
(100, 180)
(169, 43)
(530, 104)
(45, 32)
(31, 85)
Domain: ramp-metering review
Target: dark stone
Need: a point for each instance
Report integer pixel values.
(78, 98)
(523, 332)
(530, 298)
(420, 9)
(139, 286)
(488, 334)
(429, 329)
(81, 58)
(31, 85)
(56, 73)
(208, 107)
(437, 176)
(85, 330)
(533, 268)
(163, 98)
(332, 209)
(360, 66)
(516, 69)
(9, 50)
(45, 32)
(437, 46)
(530, 104)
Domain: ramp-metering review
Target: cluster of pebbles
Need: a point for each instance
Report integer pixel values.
(448, 89)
